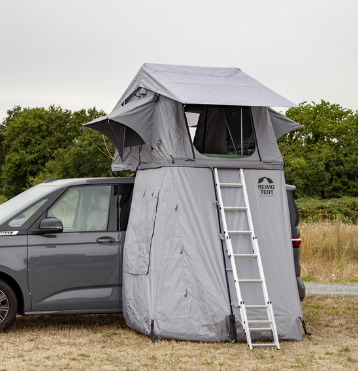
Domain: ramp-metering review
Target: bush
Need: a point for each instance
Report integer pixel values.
(344, 209)
(2, 199)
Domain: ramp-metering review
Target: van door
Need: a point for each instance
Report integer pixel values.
(78, 269)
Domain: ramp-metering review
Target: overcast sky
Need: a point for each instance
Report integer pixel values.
(84, 53)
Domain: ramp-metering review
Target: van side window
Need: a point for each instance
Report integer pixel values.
(19, 220)
(83, 209)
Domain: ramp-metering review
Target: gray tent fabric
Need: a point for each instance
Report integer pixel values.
(167, 149)
(204, 85)
(183, 289)
(281, 124)
(173, 268)
(174, 276)
(136, 115)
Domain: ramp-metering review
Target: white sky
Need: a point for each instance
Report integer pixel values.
(84, 53)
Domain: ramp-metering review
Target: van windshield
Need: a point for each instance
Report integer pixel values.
(22, 201)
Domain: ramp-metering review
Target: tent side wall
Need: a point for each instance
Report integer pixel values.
(173, 268)
(173, 264)
(164, 144)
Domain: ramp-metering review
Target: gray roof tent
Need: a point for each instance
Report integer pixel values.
(151, 123)
(174, 277)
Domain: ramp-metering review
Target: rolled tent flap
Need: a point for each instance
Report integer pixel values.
(129, 125)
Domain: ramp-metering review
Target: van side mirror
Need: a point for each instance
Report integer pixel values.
(48, 225)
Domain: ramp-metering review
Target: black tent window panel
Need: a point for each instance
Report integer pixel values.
(221, 130)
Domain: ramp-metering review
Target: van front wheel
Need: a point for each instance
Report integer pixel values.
(8, 306)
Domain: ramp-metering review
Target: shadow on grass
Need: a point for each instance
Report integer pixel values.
(68, 322)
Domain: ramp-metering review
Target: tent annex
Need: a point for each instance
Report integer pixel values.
(173, 125)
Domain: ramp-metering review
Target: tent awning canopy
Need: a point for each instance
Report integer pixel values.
(204, 85)
(128, 125)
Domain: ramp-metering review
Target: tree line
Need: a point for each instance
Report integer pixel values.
(36, 143)
(323, 160)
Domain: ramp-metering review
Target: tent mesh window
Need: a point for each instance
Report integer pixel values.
(221, 131)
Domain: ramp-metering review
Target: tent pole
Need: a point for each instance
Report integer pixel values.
(228, 129)
(254, 130)
(241, 134)
(205, 124)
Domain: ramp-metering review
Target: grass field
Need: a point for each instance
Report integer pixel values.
(329, 252)
(104, 342)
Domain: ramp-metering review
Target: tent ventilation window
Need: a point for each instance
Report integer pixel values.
(221, 131)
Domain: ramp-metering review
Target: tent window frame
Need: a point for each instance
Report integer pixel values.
(224, 111)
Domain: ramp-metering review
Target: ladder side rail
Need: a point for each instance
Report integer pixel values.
(226, 235)
(273, 325)
(234, 336)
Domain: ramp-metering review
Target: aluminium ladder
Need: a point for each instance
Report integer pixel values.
(270, 321)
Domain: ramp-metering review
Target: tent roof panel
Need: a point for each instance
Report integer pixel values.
(205, 85)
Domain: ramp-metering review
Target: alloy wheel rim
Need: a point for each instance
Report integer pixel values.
(4, 306)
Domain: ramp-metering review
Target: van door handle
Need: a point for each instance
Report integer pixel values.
(105, 239)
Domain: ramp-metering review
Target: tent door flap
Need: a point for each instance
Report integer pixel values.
(137, 250)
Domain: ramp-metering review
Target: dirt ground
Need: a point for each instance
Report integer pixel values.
(104, 342)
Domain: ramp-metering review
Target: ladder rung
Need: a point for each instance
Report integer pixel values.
(229, 269)
(260, 329)
(255, 306)
(231, 185)
(235, 208)
(264, 345)
(239, 232)
(259, 322)
(245, 255)
(250, 281)
(260, 306)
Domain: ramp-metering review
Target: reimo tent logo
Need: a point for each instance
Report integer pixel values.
(266, 187)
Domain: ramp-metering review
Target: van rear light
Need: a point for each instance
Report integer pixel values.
(296, 242)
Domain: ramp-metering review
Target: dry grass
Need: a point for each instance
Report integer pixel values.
(104, 342)
(329, 252)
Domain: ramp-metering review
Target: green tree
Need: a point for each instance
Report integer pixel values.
(82, 159)
(11, 114)
(31, 138)
(323, 160)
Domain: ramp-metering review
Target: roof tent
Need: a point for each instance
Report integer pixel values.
(173, 125)
(195, 116)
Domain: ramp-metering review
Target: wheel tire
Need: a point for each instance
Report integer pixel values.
(8, 306)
